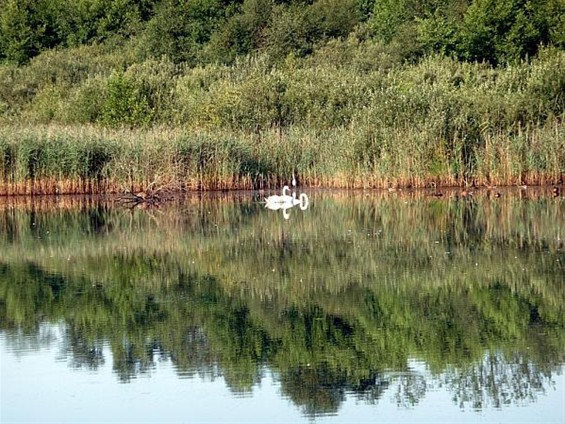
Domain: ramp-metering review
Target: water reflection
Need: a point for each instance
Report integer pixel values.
(363, 296)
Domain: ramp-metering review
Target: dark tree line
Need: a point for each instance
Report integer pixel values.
(201, 31)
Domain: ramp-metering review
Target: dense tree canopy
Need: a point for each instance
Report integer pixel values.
(200, 31)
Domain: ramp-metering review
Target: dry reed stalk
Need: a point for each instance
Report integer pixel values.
(53, 186)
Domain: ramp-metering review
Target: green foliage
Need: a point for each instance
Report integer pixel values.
(204, 31)
(414, 26)
(496, 31)
(365, 9)
(322, 74)
(506, 31)
(296, 29)
(58, 158)
(288, 32)
(181, 28)
(555, 15)
(438, 34)
(333, 18)
(85, 21)
(353, 124)
(85, 103)
(29, 27)
(243, 33)
(389, 16)
(19, 37)
(126, 103)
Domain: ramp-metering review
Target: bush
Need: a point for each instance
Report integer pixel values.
(84, 21)
(62, 71)
(333, 18)
(438, 34)
(85, 102)
(125, 103)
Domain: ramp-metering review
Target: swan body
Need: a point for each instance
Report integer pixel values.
(285, 201)
(276, 205)
(284, 198)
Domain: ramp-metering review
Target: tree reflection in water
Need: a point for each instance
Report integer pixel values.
(497, 381)
(339, 304)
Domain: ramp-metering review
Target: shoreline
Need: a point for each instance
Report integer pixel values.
(50, 187)
(439, 193)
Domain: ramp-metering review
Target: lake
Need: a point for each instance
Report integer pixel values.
(360, 306)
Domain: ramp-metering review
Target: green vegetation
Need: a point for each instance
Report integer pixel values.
(341, 300)
(359, 93)
(199, 31)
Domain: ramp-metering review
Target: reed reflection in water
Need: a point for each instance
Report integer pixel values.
(367, 294)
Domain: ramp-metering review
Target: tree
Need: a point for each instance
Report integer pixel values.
(243, 32)
(289, 31)
(334, 18)
(27, 27)
(84, 21)
(19, 36)
(181, 28)
(502, 31)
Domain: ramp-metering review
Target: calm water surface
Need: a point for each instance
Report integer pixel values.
(362, 307)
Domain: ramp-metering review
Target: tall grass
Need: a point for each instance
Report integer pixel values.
(91, 159)
(103, 122)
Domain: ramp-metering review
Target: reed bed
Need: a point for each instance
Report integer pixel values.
(71, 160)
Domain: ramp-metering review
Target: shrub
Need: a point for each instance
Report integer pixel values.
(85, 102)
(126, 103)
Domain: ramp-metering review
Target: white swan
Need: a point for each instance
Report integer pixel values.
(284, 198)
(285, 201)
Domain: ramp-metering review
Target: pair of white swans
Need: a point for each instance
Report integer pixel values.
(286, 201)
